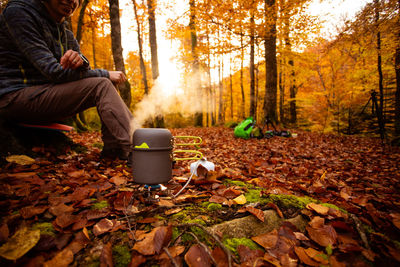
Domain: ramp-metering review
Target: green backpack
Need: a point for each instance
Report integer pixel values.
(243, 130)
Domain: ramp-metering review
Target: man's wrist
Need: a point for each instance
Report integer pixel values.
(85, 61)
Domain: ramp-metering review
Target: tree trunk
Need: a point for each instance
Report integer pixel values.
(153, 39)
(142, 65)
(151, 6)
(80, 21)
(125, 88)
(281, 84)
(221, 92)
(198, 116)
(293, 111)
(397, 66)
(243, 104)
(252, 78)
(379, 59)
(231, 86)
(270, 100)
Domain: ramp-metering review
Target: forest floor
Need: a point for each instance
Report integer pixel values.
(340, 194)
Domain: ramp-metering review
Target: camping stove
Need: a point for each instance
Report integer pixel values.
(153, 154)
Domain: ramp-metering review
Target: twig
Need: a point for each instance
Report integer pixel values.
(170, 257)
(216, 238)
(360, 231)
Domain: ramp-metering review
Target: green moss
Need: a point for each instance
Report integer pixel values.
(290, 201)
(121, 255)
(98, 145)
(233, 243)
(214, 206)
(329, 250)
(255, 196)
(238, 183)
(397, 244)
(45, 228)
(334, 207)
(100, 205)
(161, 218)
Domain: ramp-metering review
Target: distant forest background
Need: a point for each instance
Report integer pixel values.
(270, 58)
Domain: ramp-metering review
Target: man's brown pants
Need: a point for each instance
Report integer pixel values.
(52, 102)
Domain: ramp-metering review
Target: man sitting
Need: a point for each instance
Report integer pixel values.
(44, 77)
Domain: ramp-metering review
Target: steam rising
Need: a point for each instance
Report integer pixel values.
(166, 97)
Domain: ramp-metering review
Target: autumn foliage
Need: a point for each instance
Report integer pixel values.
(76, 209)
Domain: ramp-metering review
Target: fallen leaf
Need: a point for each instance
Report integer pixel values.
(256, 212)
(217, 199)
(106, 257)
(197, 257)
(240, 200)
(60, 209)
(173, 251)
(118, 180)
(63, 259)
(220, 257)
(165, 203)
(20, 159)
(105, 225)
(317, 256)
(152, 243)
(267, 241)
(20, 243)
(324, 236)
(301, 253)
(30, 211)
(276, 208)
(173, 211)
(318, 208)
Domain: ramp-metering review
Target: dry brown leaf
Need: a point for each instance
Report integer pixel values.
(105, 225)
(152, 243)
(267, 241)
(301, 253)
(118, 180)
(106, 258)
(197, 257)
(256, 212)
(318, 208)
(63, 259)
(317, 256)
(324, 236)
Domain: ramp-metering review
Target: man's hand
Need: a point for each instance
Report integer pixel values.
(71, 60)
(117, 76)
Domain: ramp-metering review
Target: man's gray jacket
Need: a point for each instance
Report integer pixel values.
(31, 46)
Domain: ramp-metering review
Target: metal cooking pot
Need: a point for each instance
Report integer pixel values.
(153, 155)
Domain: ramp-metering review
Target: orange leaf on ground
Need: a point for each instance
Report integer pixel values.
(30, 211)
(60, 209)
(256, 212)
(318, 208)
(276, 208)
(217, 199)
(317, 256)
(106, 258)
(267, 241)
(137, 260)
(63, 259)
(105, 225)
(324, 236)
(173, 251)
(118, 180)
(152, 243)
(220, 257)
(304, 258)
(197, 257)
(66, 219)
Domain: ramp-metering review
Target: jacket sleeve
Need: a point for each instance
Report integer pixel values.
(24, 30)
